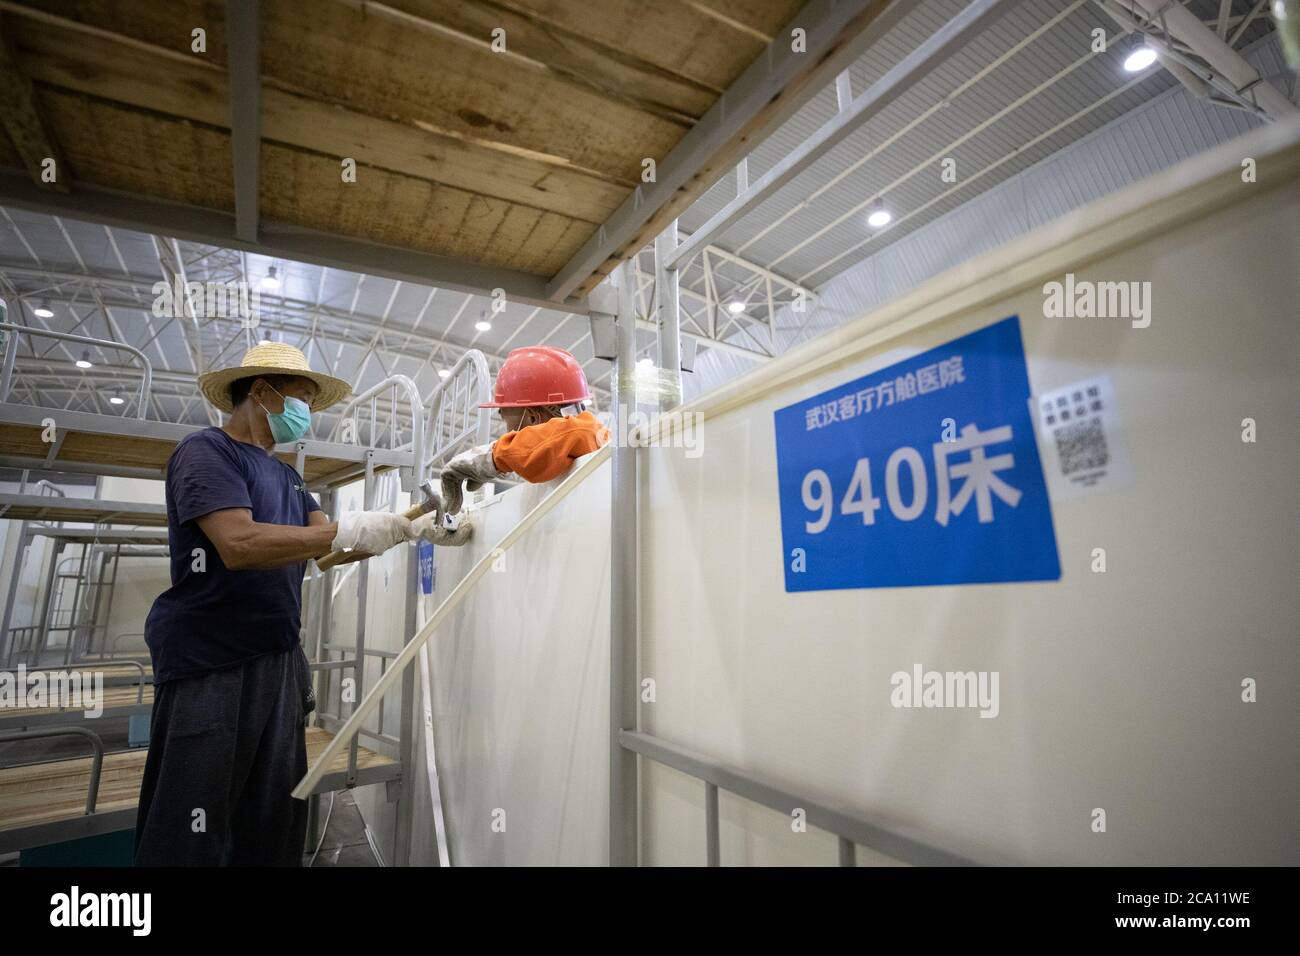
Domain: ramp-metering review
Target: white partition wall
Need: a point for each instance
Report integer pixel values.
(520, 680)
(1145, 708)
(1120, 691)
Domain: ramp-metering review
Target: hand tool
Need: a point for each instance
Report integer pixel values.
(430, 502)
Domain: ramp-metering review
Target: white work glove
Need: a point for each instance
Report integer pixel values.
(373, 532)
(475, 466)
(430, 528)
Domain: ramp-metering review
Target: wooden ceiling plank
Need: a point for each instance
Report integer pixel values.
(609, 71)
(373, 65)
(555, 253)
(23, 122)
(120, 149)
(545, 230)
(161, 29)
(9, 155)
(58, 53)
(550, 239)
(673, 35)
(761, 19)
(513, 233)
(388, 208)
(303, 188)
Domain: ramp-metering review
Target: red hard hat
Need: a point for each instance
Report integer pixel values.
(539, 375)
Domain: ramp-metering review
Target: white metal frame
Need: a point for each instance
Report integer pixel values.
(393, 426)
(455, 420)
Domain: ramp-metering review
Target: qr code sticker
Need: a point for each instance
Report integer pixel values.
(1082, 446)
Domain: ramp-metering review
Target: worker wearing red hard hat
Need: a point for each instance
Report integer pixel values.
(534, 387)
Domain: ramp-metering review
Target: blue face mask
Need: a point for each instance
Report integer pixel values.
(290, 424)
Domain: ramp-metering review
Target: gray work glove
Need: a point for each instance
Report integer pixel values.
(373, 532)
(431, 528)
(474, 466)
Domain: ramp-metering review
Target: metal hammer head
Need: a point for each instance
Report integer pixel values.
(432, 500)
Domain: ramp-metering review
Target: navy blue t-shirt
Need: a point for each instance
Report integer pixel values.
(216, 617)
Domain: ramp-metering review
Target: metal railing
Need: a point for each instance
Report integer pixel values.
(455, 420)
(109, 664)
(20, 641)
(97, 761)
(393, 426)
(112, 645)
(11, 355)
(849, 830)
(345, 663)
(47, 486)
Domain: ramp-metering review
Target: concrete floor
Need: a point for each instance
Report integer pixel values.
(345, 841)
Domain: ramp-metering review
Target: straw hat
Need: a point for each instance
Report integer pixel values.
(272, 358)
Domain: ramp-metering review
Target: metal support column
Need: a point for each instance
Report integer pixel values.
(47, 610)
(407, 749)
(670, 318)
(6, 617)
(712, 845)
(848, 852)
(623, 838)
(84, 568)
(325, 617)
(363, 585)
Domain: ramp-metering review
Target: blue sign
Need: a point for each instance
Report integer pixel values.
(425, 551)
(923, 473)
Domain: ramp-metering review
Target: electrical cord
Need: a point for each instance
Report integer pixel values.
(323, 830)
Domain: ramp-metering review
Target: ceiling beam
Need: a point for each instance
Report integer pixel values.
(273, 308)
(1227, 65)
(937, 48)
(770, 91)
(243, 59)
(22, 121)
(278, 241)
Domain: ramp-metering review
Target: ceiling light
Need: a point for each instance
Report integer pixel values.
(116, 399)
(44, 310)
(443, 372)
(1141, 58)
(645, 363)
(264, 342)
(84, 361)
(271, 280)
(735, 308)
(880, 216)
(483, 325)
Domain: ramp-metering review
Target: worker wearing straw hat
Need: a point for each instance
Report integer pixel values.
(227, 740)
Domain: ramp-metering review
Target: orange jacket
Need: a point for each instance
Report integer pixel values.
(546, 450)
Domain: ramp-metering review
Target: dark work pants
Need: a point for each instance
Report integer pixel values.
(225, 750)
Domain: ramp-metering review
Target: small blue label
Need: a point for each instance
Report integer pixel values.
(425, 551)
(923, 473)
